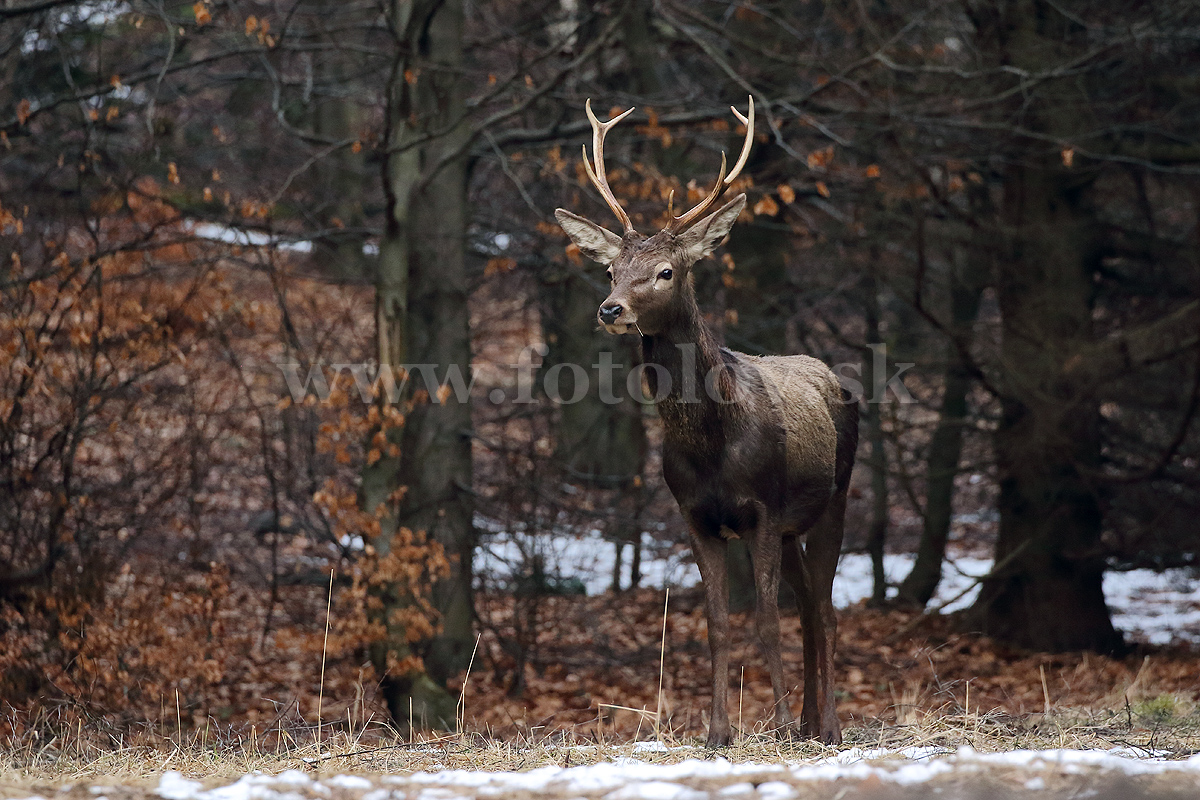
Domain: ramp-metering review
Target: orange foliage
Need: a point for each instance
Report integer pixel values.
(143, 429)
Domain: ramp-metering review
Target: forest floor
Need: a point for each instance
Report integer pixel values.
(595, 664)
(933, 712)
(755, 768)
(926, 709)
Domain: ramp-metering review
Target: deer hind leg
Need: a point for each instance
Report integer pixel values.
(766, 555)
(812, 571)
(709, 552)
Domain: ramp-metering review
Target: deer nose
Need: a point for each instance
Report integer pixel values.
(610, 312)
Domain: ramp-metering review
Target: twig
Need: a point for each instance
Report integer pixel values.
(662, 657)
(741, 686)
(462, 698)
(324, 649)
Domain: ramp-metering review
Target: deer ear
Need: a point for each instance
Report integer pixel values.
(593, 241)
(700, 239)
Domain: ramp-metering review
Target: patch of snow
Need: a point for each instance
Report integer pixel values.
(855, 755)
(631, 779)
(1157, 608)
(650, 747)
(354, 542)
(173, 786)
(655, 790)
(223, 233)
(293, 777)
(776, 790)
(855, 578)
(349, 782)
(590, 558)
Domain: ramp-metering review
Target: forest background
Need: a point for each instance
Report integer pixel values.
(219, 218)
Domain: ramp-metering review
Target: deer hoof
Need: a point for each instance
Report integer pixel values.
(827, 734)
(833, 736)
(717, 738)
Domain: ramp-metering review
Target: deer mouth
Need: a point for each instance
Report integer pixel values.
(618, 328)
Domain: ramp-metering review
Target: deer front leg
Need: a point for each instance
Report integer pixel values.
(766, 555)
(709, 552)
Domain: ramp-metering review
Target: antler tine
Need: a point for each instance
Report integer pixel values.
(748, 121)
(682, 222)
(597, 175)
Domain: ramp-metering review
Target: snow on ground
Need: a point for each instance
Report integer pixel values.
(692, 779)
(247, 238)
(1152, 607)
(853, 773)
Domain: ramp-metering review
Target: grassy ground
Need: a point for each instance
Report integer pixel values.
(1160, 729)
(597, 660)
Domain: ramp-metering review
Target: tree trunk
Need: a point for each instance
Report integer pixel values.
(945, 447)
(601, 438)
(599, 443)
(941, 467)
(877, 532)
(421, 303)
(436, 446)
(1049, 595)
(340, 177)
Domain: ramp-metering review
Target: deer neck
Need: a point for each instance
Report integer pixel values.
(687, 352)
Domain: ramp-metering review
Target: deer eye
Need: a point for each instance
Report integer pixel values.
(609, 274)
(666, 274)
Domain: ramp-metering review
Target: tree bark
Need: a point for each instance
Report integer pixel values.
(877, 532)
(601, 438)
(422, 318)
(1050, 594)
(603, 444)
(599, 443)
(1050, 597)
(945, 447)
(340, 176)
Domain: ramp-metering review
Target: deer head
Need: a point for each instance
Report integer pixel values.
(650, 277)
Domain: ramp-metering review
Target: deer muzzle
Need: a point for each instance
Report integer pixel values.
(616, 318)
(610, 313)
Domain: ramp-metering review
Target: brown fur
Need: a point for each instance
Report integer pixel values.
(766, 456)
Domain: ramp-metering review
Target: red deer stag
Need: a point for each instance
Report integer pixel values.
(755, 447)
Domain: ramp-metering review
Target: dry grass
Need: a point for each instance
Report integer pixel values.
(933, 693)
(604, 652)
(1164, 727)
(940, 691)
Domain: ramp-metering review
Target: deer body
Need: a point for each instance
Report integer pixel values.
(754, 447)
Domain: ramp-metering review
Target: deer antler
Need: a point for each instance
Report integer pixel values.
(599, 179)
(682, 222)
